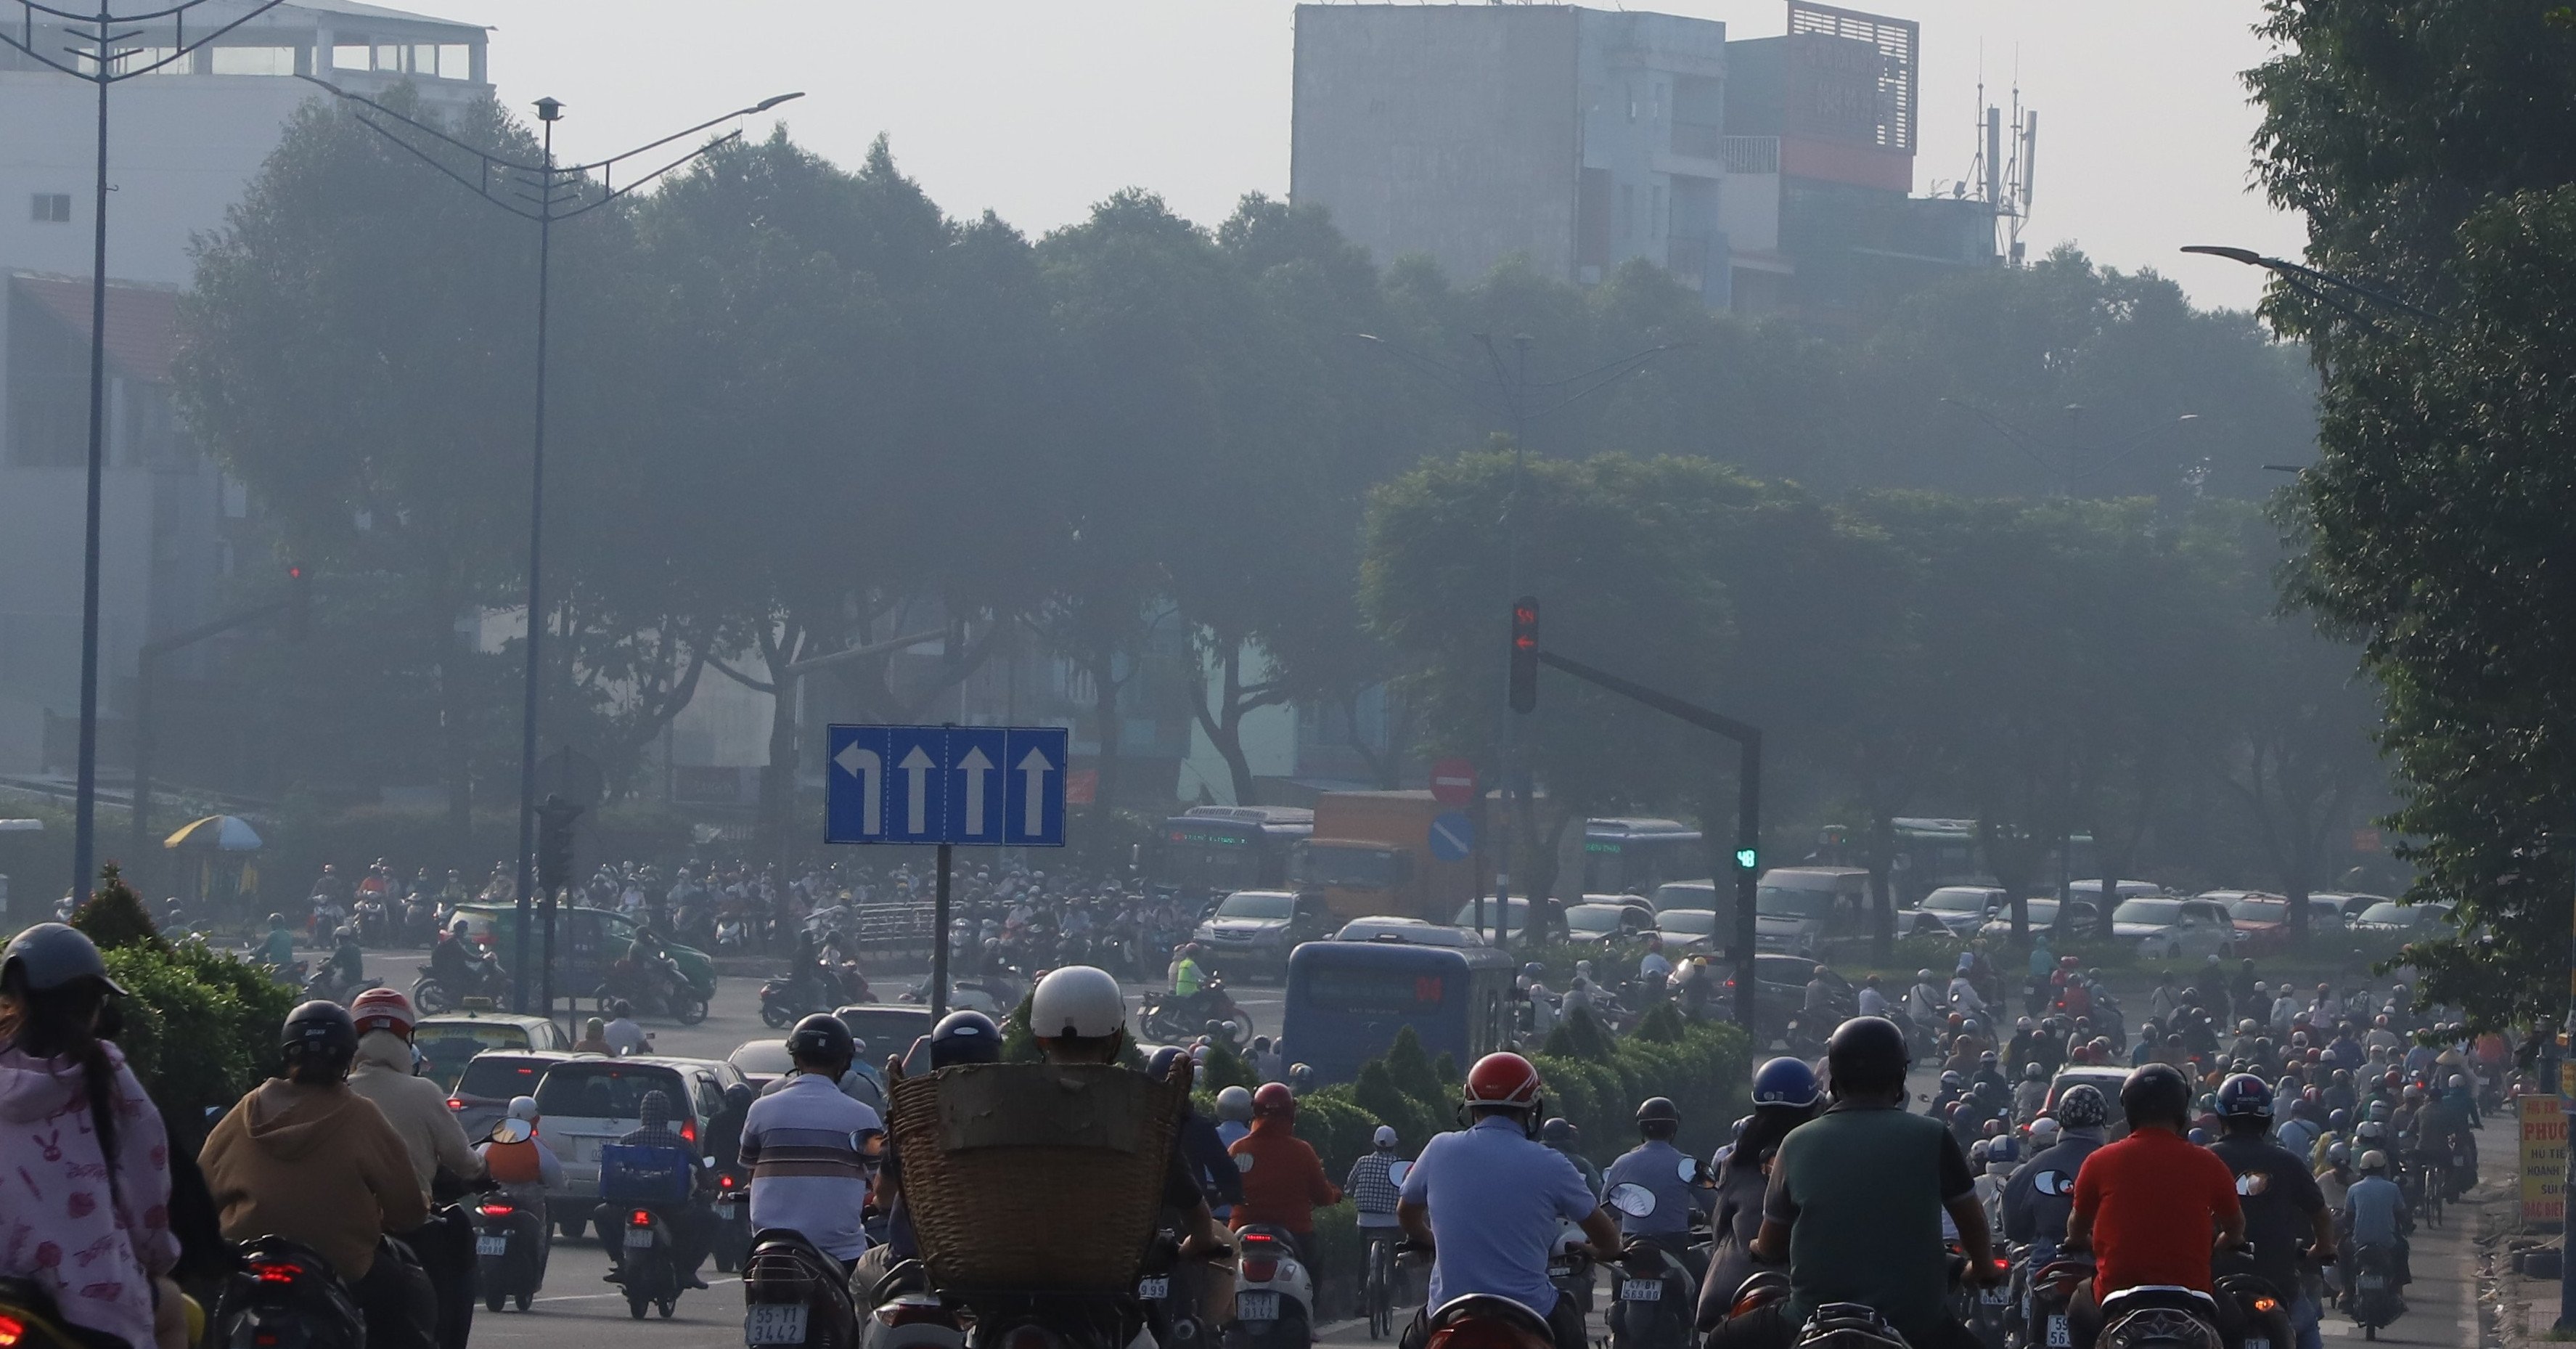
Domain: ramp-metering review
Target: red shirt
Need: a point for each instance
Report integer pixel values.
(1283, 1181)
(2155, 1201)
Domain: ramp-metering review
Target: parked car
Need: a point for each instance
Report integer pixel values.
(2407, 921)
(2346, 904)
(1256, 929)
(1686, 895)
(1691, 932)
(2170, 927)
(1960, 910)
(2081, 919)
(482, 1092)
(589, 1101)
(2263, 920)
(450, 1040)
(1419, 932)
(888, 1029)
(2101, 1078)
(1796, 909)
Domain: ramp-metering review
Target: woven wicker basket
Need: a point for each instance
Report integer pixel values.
(1035, 1178)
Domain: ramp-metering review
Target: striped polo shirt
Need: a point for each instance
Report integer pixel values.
(802, 1145)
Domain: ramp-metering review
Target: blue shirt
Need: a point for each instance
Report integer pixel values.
(803, 1146)
(1497, 1200)
(2373, 1203)
(1656, 1165)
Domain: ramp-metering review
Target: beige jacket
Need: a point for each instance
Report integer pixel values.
(415, 1106)
(317, 1165)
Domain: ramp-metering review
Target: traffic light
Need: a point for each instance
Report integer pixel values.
(1745, 858)
(554, 843)
(1525, 654)
(299, 602)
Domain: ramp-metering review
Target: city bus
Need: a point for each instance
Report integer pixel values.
(1347, 999)
(1633, 856)
(1216, 850)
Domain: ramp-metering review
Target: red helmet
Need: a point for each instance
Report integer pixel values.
(1503, 1079)
(382, 1009)
(1275, 1098)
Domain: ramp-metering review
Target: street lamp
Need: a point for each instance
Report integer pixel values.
(2073, 468)
(107, 35)
(559, 192)
(2312, 283)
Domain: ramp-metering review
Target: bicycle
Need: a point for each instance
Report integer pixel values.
(2436, 1187)
(1379, 1294)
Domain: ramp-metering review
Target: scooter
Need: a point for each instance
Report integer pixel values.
(30, 1318)
(510, 1249)
(285, 1296)
(785, 1001)
(2150, 1317)
(1274, 1293)
(1479, 1321)
(909, 1314)
(2051, 1301)
(1653, 1304)
(1848, 1325)
(794, 1296)
(732, 1207)
(2262, 1311)
(645, 1267)
(1569, 1265)
(2373, 1302)
(1173, 1302)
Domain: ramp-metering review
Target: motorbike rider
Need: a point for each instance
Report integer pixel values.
(415, 1106)
(1283, 1180)
(2030, 1095)
(649, 961)
(2375, 1214)
(524, 1167)
(961, 1037)
(2038, 1197)
(347, 968)
(278, 951)
(1855, 1205)
(1189, 977)
(73, 1115)
(2282, 1204)
(622, 1035)
(2442, 1125)
(2147, 1204)
(1785, 1095)
(1559, 1133)
(689, 1221)
(1656, 1164)
(1233, 1114)
(803, 1145)
(305, 1158)
(1489, 1199)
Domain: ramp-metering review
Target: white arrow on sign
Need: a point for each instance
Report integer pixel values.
(1034, 766)
(869, 769)
(918, 765)
(975, 766)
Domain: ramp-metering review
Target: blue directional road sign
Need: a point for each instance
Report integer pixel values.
(1453, 837)
(987, 785)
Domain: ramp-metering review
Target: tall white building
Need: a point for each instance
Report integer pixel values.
(182, 144)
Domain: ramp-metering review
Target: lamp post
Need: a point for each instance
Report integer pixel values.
(560, 192)
(2314, 284)
(107, 36)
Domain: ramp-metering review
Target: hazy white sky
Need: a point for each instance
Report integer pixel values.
(1038, 108)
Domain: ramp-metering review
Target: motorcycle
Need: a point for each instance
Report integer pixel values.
(909, 1314)
(30, 1318)
(1172, 1297)
(1170, 1019)
(2050, 1302)
(794, 1296)
(2373, 1302)
(1274, 1293)
(1569, 1265)
(285, 1296)
(665, 988)
(784, 1000)
(375, 923)
(645, 1267)
(510, 1249)
(1987, 1311)
(731, 934)
(732, 1207)
(1653, 1302)
(1848, 1325)
(2262, 1311)
(2159, 1318)
(321, 987)
(487, 983)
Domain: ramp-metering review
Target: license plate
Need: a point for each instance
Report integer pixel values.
(1641, 1290)
(726, 1208)
(774, 1323)
(638, 1238)
(2258, 1342)
(1994, 1297)
(1154, 1289)
(2058, 1338)
(2371, 1283)
(492, 1244)
(1256, 1306)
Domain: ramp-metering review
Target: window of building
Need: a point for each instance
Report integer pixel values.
(50, 208)
(1658, 222)
(253, 60)
(352, 57)
(455, 61)
(1625, 227)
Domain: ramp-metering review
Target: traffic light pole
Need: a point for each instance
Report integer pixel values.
(1748, 809)
(147, 669)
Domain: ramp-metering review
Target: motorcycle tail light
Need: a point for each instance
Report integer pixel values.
(455, 1104)
(724, 1182)
(263, 1338)
(498, 1210)
(640, 1218)
(276, 1273)
(12, 1330)
(1259, 1268)
(2265, 1304)
(1029, 1337)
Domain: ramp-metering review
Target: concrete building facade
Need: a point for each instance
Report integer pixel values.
(182, 144)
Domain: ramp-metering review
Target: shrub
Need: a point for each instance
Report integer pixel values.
(200, 1026)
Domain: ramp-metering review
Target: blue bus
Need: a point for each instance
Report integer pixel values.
(1347, 999)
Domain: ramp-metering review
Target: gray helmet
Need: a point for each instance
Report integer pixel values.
(51, 955)
(1234, 1103)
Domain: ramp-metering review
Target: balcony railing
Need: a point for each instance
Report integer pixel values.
(1750, 154)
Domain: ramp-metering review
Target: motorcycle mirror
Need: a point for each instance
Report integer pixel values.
(1689, 1170)
(1396, 1173)
(1632, 1199)
(707, 1163)
(511, 1131)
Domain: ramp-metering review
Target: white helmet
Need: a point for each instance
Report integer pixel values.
(1384, 1138)
(1078, 1000)
(2043, 1132)
(1234, 1103)
(523, 1107)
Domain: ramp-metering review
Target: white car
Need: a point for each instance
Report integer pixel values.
(2170, 927)
(1961, 910)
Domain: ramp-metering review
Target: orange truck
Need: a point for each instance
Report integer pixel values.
(1370, 856)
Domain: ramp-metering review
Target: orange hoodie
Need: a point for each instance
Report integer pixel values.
(1283, 1181)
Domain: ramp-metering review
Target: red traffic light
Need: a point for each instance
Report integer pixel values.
(1524, 682)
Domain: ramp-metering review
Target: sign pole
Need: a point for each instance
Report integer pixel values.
(939, 940)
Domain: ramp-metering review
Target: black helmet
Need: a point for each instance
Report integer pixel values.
(965, 1036)
(2156, 1094)
(50, 955)
(319, 1031)
(1867, 1054)
(1658, 1117)
(821, 1038)
(1556, 1132)
(2245, 1096)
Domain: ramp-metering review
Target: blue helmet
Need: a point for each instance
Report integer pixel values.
(2245, 1096)
(1786, 1081)
(965, 1036)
